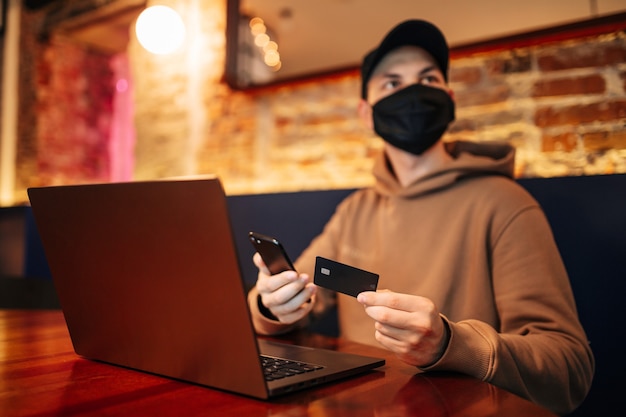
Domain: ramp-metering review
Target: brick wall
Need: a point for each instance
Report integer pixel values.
(65, 106)
(74, 105)
(561, 103)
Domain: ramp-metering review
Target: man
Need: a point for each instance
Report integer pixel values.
(472, 279)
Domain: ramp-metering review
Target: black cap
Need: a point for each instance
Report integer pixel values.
(411, 32)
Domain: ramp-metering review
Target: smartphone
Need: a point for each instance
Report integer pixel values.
(272, 252)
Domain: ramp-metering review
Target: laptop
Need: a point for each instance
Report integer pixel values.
(148, 278)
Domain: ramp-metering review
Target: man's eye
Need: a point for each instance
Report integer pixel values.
(430, 79)
(391, 84)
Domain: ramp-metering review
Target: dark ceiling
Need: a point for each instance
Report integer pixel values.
(103, 25)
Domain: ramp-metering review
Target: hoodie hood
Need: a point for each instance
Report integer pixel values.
(470, 160)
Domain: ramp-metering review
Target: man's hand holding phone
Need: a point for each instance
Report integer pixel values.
(287, 294)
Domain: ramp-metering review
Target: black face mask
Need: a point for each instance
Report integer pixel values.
(414, 118)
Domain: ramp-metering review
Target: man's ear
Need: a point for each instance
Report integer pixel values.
(451, 93)
(365, 113)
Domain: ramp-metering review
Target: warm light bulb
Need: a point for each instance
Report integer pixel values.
(160, 30)
(271, 58)
(261, 40)
(258, 28)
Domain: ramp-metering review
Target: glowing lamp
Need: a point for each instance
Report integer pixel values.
(160, 30)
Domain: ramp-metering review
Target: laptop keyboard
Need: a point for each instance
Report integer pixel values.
(278, 368)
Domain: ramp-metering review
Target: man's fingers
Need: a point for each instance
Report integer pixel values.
(395, 301)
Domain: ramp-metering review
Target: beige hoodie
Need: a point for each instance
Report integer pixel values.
(476, 243)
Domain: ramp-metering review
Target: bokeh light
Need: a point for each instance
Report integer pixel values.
(160, 30)
(269, 48)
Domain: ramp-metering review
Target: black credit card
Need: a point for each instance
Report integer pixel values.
(343, 278)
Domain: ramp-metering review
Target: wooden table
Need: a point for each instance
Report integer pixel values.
(40, 375)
